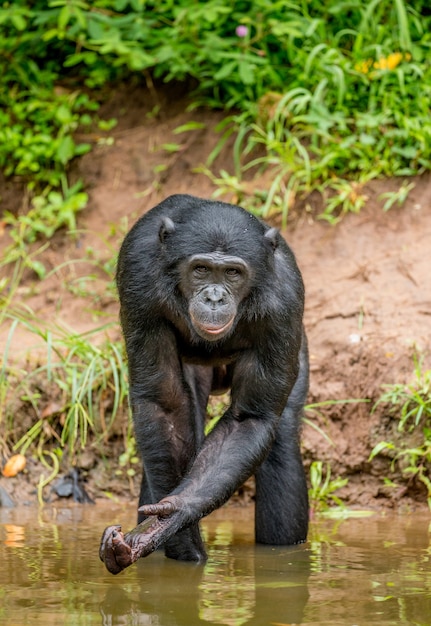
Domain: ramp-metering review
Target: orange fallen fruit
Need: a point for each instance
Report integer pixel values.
(14, 465)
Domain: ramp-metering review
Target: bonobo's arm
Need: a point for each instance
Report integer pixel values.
(229, 455)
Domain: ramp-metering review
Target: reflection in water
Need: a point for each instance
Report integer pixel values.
(358, 571)
(238, 585)
(379, 569)
(15, 536)
(227, 592)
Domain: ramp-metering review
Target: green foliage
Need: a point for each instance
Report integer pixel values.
(322, 491)
(38, 119)
(36, 133)
(351, 105)
(333, 93)
(50, 212)
(411, 405)
(215, 409)
(86, 377)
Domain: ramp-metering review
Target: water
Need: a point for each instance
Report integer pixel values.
(373, 570)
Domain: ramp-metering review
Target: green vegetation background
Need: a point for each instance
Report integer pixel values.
(336, 92)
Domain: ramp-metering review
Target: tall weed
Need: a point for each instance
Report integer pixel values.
(86, 377)
(410, 405)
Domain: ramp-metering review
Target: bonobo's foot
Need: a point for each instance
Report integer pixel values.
(119, 550)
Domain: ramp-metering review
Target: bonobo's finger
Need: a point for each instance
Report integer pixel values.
(112, 546)
(122, 550)
(106, 537)
(164, 508)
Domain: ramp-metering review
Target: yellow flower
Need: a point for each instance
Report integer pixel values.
(384, 63)
(363, 66)
(391, 61)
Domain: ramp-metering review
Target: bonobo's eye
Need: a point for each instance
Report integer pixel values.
(200, 270)
(232, 272)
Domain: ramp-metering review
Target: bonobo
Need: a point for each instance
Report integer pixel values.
(211, 299)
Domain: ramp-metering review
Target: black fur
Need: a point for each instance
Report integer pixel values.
(174, 364)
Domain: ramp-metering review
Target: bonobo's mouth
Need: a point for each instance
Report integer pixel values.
(211, 331)
(217, 330)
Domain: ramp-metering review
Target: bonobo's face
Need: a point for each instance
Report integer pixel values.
(214, 285)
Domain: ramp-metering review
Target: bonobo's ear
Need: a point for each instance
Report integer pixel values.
(271, 236)
(167, 227)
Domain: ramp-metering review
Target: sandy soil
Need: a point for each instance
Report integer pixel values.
(367, 280)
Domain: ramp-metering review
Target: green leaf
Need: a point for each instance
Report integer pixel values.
(367, 140)
(225, 71)
(64, 114)
(18, 21)
(246, 72)
(171, 147)
(382, 445)
(63, 17)
(38, 267)
(188, 126)
(66, 150)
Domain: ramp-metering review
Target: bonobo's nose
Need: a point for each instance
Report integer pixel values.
(214, 295)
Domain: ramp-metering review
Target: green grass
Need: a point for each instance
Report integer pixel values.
(410, 450)
(322, 490)
(75, 394)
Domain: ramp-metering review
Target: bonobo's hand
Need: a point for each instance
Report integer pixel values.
(118, 550)
(164, 508)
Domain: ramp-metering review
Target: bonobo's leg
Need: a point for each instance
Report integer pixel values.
(186, 544)
(281, 513)
(199, 381)
(169, 435)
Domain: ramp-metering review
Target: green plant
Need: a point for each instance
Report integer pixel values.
(50, 211)
(53, 470)
(322, 491)
(129, 459)
(87, 381)
(215, 409)
(398, 196)
(36, 134)
(330, 95)
(339, 124)
(411, 405)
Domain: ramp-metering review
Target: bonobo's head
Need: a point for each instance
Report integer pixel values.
(214, 285)
(217, 256)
